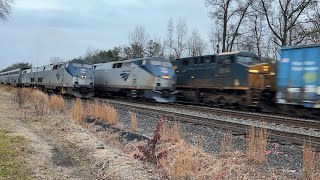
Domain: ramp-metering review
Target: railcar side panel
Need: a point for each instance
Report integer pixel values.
(298, 78)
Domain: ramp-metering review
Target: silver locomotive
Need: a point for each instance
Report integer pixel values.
(148, 78)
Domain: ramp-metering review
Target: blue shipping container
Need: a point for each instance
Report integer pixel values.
(298, 77)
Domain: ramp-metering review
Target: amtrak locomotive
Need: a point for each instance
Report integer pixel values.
(150, 78)
(75, 78)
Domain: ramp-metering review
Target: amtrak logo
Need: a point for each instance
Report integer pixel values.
(125, 75)
(58, 76)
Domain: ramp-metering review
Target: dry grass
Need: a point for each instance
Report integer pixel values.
(226, 143)
(170, 133)
(102, 111)
(77, 111)
(40, 101)
(184, 161)
(22, 95)
(56, 104)
(134, 121)
(310, 169)
(256, 145)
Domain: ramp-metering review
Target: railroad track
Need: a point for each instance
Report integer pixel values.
(277, 120)
(280, 136)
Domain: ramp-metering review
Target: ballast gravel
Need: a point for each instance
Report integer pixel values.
(288, 158)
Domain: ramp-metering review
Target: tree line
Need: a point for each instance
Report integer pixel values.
(259, 26)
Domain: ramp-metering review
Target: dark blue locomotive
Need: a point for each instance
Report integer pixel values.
(227, 79)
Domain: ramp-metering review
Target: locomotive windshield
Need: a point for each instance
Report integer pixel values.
(160, 63)
(247, 60)
(76, 65)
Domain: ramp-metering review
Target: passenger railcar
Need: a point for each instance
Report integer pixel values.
(12, 77)
(228, 79)
(298, 78)
(150, 78)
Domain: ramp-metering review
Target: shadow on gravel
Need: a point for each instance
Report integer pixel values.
(61, 157)
(125, 135)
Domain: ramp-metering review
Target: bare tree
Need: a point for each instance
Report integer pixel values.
(138, 41)
(254, 38)
(180, 44)
(169, 38)
(313, 20)
(230, 15)
(5, 9)
(196, 44)
(283, 17)
(153, 48)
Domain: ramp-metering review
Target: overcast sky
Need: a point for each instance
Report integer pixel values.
(40, 29)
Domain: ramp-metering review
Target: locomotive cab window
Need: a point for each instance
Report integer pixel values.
(247, 60)
(119, 65)
(114, 66)
(201, 60)
(212, 59)
(185, 62)
(139, 62)
(195, 61)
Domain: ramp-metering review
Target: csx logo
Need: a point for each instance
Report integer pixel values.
(125, 75)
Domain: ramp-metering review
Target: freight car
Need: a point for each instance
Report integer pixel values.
(235, 79)
(298, 79)
(74, 78)
(147, 78)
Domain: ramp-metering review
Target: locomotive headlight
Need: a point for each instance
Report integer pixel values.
(83, 76)
(253, 71)
(165, 77)
(265, 68)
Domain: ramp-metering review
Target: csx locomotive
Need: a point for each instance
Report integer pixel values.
(147, 78)
(75, 78)
(236, 79)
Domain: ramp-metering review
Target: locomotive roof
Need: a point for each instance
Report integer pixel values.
(244, 53)
(130, 60)
(79, 61)
(14, 70)
(300, 46)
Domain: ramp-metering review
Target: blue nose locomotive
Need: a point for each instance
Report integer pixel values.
(148, 78)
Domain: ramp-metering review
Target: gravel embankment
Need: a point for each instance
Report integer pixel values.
(285, 157)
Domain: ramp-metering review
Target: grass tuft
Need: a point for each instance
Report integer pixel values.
(170, 133)
(226, 143)
(40, 102)
(56, 104)
(310, 169)
(77, 111)
(102, 111)
(257, 144)
(134, 121)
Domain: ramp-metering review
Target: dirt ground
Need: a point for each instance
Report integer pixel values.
(59, 149)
